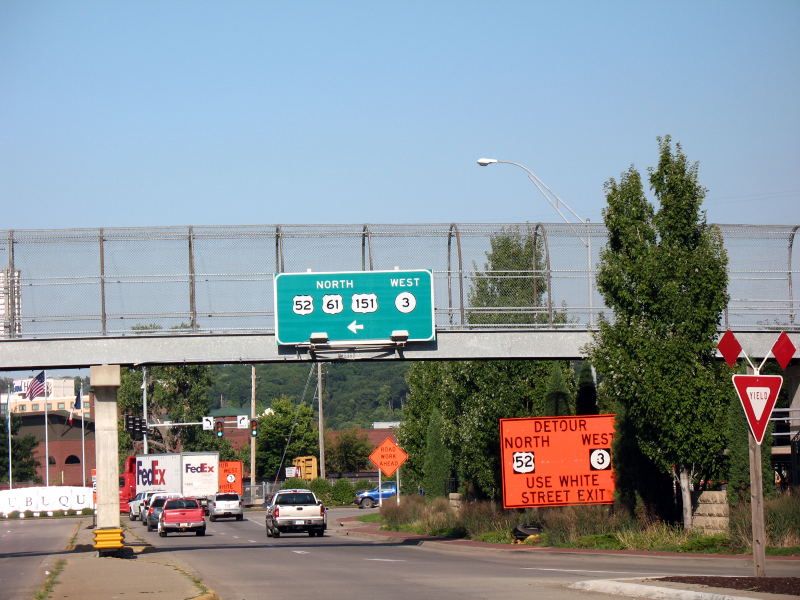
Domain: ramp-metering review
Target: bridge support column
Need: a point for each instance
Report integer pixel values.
(105, 381)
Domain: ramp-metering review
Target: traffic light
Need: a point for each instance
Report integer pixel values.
(219, 428)
(253, 427)
(128, 420)
(142, 427)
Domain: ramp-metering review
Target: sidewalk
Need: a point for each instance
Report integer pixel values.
(85, 576)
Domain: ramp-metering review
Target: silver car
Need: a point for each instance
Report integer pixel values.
(224, 504)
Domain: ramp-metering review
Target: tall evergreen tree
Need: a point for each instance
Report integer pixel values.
(438, 458)
(663, 274)
(586, 400)
(558, 399)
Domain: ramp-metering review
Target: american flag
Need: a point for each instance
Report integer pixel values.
(36, 386)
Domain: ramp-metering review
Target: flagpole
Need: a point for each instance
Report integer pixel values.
(8, 425)
(83, 440)
(46, 437)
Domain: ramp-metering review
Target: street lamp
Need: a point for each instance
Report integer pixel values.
(556, 202)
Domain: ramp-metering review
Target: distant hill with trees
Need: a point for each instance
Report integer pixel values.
(355, 394)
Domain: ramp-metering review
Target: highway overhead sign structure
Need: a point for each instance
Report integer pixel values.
(758, 394)
(557, 461)
(388, 456)
(354, 306)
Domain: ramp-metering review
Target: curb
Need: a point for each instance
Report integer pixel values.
(638, 590)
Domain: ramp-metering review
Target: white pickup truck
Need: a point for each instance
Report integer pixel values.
(296, 511)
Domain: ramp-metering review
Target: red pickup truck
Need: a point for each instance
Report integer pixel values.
(182, 514)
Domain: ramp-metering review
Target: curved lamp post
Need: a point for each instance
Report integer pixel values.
(556, 202)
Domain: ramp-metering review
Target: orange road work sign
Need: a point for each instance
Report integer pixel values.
(557, 461)
(388, 457)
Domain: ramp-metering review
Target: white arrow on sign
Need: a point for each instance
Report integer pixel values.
(354, 327)
(242, 421)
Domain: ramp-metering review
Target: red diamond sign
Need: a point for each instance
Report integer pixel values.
(783, 350)
(758, 394)
(729, 347)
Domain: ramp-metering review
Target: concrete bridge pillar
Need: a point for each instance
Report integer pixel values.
(105, 381)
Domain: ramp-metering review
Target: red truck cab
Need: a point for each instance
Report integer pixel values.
(127, 484)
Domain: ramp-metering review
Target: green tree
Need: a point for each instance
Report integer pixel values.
(23, 463)
(174, 393)
(472, 396)
(558, 399)
(514, 276)
(438, 459)
(286, 432)
(586, 400)
(348, 453)
(663, 274)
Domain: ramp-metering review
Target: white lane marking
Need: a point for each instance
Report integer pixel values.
(588, 571)
(236, 537)
(300, 552)
(252, 541)
(385, 559)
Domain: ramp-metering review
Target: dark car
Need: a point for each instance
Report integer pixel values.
(155, 507)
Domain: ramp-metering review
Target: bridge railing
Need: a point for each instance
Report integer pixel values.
(149, 281)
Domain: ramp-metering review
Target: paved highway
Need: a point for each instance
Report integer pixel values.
(239, 562)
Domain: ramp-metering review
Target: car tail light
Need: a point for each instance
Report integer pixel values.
(321, 510)
(276, 512)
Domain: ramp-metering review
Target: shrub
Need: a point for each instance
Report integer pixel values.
(781, 519)
(657, 537)
(482, 518)
(363, 484)
(409, 511)
(565, 524)
(87, 511)
(28, 514)
(59, 513)
(343, 492)
(294, 483)
(322, 488)
(440, 520)
(706, 543)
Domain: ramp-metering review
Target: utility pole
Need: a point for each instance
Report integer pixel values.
(144, 408)
(321, 424)
(252, 439)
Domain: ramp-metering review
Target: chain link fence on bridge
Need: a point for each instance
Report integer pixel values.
(219, 280)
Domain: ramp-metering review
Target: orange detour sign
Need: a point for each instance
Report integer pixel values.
(388, 456)
(557, 461)
(230, 477)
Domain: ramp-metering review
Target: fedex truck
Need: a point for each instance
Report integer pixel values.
(197, 474)
(187, 473)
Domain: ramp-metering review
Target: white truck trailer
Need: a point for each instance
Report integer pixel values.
(188, 473)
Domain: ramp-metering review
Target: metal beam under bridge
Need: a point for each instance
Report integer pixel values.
(206, 349)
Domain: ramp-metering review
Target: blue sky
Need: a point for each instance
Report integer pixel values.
(194, 112)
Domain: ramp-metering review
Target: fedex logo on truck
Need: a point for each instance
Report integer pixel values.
(149, 476)
(201, 468)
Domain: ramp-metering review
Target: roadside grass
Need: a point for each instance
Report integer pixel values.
(595, 527)
(50, 581)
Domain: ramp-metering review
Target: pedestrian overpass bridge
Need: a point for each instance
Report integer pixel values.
(80, 297)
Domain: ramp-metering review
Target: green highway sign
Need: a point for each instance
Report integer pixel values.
(354, 306)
